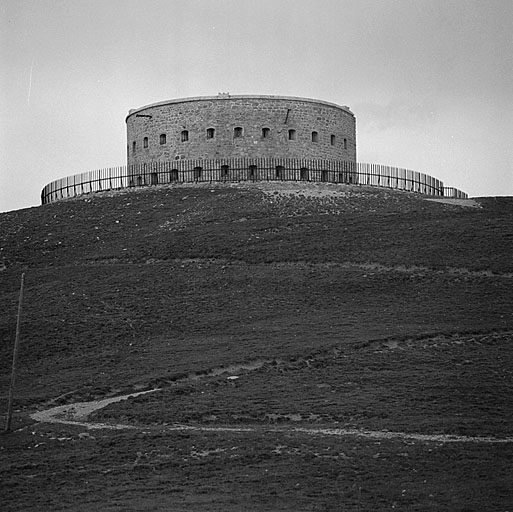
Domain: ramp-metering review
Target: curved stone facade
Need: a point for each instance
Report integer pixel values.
(224, 126)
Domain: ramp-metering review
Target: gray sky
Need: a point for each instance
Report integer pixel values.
(430, 81)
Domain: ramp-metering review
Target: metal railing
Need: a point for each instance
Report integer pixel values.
(246, 169)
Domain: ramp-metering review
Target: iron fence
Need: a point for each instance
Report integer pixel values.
(246, 169)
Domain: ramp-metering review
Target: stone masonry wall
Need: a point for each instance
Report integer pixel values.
(265, 123)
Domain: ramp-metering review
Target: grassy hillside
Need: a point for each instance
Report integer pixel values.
(185, 278)
(360, 307)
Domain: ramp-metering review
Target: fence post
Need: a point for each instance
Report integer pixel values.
(14, 358)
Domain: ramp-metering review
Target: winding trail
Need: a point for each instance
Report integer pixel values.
(77, 414)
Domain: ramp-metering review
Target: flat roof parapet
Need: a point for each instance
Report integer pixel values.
(228, 96)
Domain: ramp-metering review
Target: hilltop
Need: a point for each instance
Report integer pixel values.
(213, 220)
(329, 305)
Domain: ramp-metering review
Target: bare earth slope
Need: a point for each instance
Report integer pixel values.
(328, 307)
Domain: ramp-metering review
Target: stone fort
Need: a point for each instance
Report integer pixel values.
(243, 138)
(224, 126)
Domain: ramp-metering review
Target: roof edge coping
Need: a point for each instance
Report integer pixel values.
(227, 97)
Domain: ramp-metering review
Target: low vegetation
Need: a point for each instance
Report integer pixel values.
(365, 308)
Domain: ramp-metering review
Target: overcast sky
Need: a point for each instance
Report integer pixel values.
(430, 81)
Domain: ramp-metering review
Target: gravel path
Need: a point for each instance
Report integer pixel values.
(77, 414)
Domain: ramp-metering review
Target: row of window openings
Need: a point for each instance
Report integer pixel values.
(304, 174)
(237, 133)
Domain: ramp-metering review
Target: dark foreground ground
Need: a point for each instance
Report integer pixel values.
(374, 310)
(55, 468)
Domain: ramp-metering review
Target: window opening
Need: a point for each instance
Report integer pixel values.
(133, 147)
(345, 143)
(210, 133)
(292, 134)
(162, 138)
(145, 142)
(237, 132)
(315, 137)
(333, 140)
(266, 132)
(185, 136)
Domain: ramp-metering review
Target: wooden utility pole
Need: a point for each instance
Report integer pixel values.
(14, 358)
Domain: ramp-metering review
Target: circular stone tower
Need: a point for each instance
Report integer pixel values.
(227, 127)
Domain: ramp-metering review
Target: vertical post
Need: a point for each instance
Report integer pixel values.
(14, 358)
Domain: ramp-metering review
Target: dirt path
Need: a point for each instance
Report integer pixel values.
(369, 266)
(469, 203)
(77, 414)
